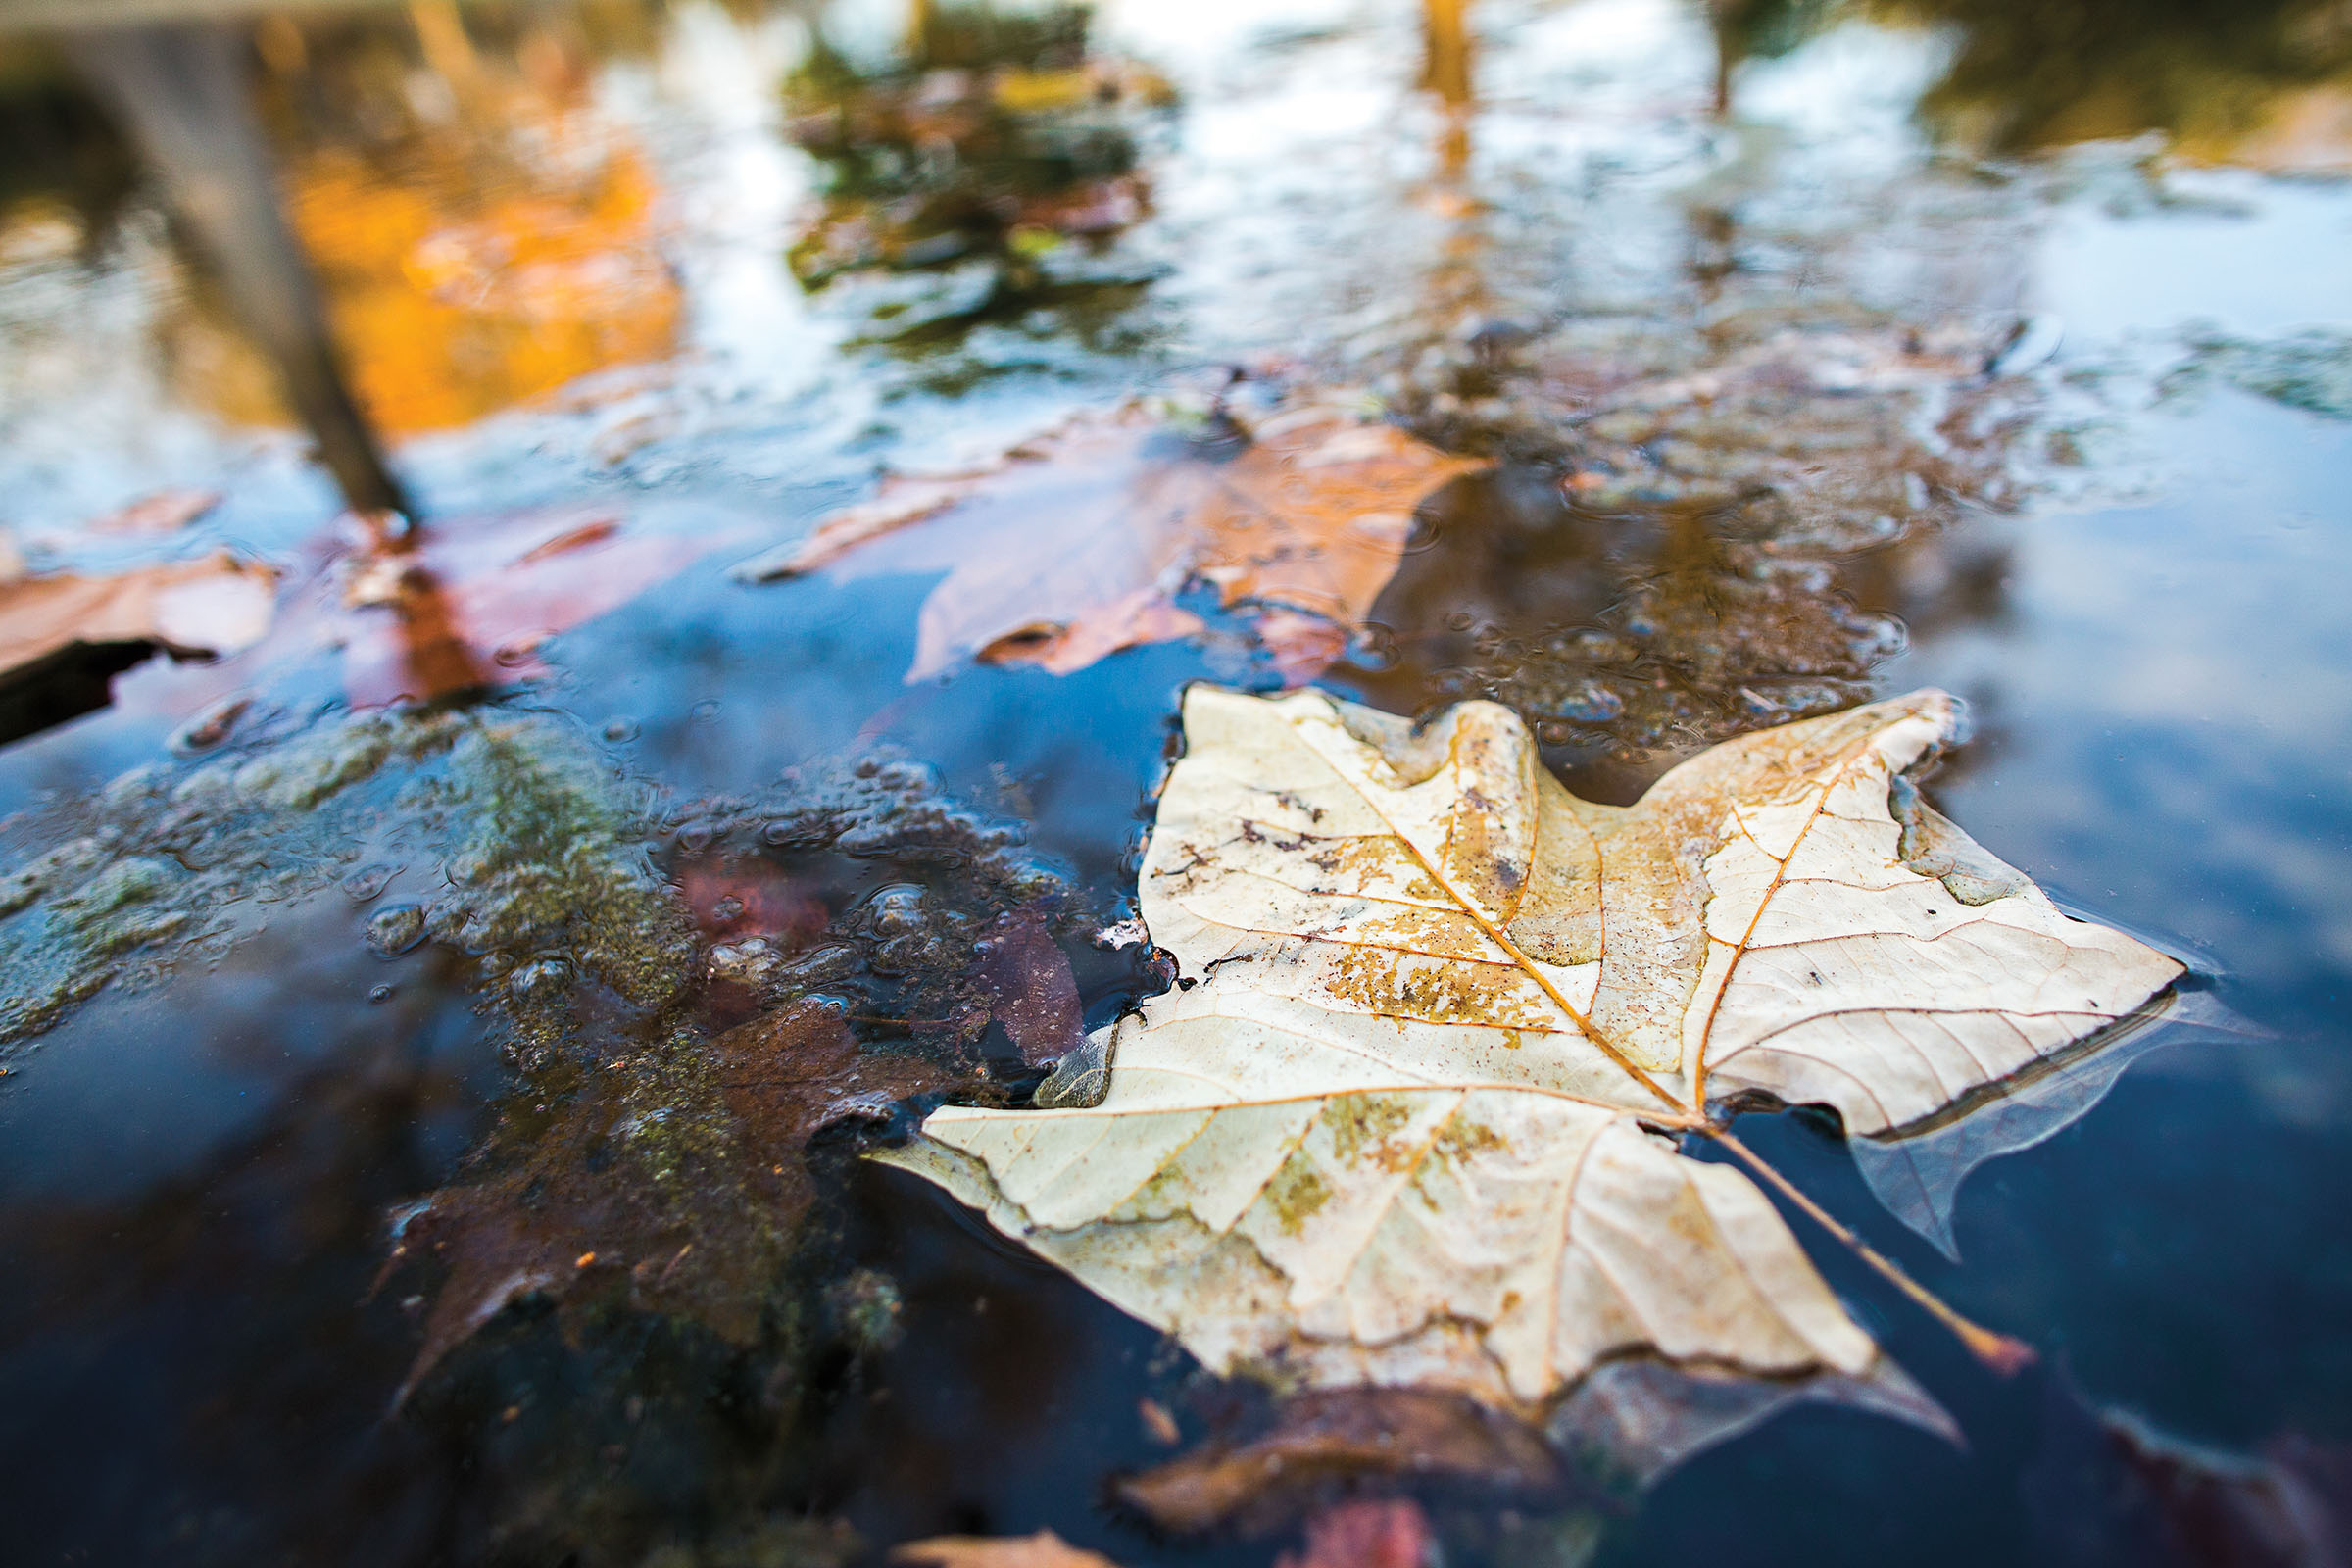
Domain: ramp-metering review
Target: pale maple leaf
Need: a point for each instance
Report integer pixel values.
(1407, 1116)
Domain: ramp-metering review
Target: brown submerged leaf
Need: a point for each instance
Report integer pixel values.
(468, 602)
(2108, 1490)
(1625, 1424)
(1407, 1117)
(1078, 544)
(1029, 987)
(1044, 1550)
(1339, 1437)
(157, 513)
(220, 605)
(1367, 1532)
(701, 1243)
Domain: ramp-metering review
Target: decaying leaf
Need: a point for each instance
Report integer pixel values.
(422, 612)
(677, 1042)
(1335, 1437)
(1029, 987)
(554, 1227)
(2108, 1490)
(1403, 1121)
(161, 511)
(1044, 1550)
(1078, 544)
(1367, 1532)
(468, 603)
(220, 605)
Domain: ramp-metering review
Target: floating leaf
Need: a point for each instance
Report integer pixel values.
(469, 603)
(1044, 1550)
(1078, 544)
(1330, 1438)
(219, 605)
(1406, 1118)
(162, 511)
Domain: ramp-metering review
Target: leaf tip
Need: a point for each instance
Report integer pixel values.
(2001, 1354)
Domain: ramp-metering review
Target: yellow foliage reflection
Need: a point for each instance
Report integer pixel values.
(2260, 82)
(475, 264)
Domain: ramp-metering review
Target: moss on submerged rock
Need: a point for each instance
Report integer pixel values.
(624, 1290)
(176, 864)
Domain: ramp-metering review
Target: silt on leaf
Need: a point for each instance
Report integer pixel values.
(1408, 1117)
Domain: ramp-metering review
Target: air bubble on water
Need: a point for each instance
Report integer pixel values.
(394, 929)
(1882, 637)
(868, 838)
(540, 978)
(644, 1121)
(382, 992)
(897, 909)
(620, 731)
(369, 881)
(705, 712)
(1589, 704)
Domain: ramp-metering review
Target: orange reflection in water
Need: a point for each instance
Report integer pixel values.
(476, 271)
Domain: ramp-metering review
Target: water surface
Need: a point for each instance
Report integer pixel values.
(2026, 349)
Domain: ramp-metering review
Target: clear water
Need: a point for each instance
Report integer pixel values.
(2124, 549)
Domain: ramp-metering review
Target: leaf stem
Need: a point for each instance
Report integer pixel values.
(1997, 1352)
(1576, 1015)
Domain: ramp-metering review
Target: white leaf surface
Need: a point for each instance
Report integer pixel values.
(1407, 1116)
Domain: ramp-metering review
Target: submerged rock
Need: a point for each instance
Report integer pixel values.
(632, 1257)
(2310, 370)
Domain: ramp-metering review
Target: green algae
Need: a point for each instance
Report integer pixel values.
(175, 863)
(635, 1257)
(1363, 1124)
(2310, 370)
(1296, 1192)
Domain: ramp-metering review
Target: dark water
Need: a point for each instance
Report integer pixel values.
(2026, 341)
